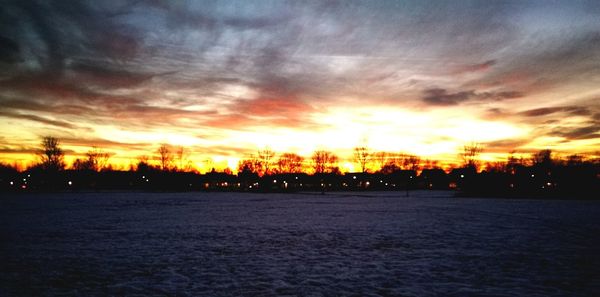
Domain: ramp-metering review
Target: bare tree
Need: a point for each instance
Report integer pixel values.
(470, 154)
(96, 160)
(381, 159)
(361, 156)
(290, 163)
(165, 157)
(324, 161)
(575, 159)
(390, 167)
(182, 157)
(430, 164)
(51, 155)
(265, 158)
(411, 162)
(247, 166)
(543, 157)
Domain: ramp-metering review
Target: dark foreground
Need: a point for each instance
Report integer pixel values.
(232, 244)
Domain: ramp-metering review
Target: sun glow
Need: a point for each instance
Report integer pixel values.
(433, 135)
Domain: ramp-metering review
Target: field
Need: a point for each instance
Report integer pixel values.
(337, 244)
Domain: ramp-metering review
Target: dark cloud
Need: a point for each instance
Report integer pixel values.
(438, 96)
(587, 132)
(101, 142)
(573, 110)
(505, 145)
(89, 73)
(32, 106)
(39, 119)
(9, 50)
(479, 67)
(22, 150)
(540, 65)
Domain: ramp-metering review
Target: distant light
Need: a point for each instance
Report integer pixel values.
(143, 177)
(549, 184)
(274, 181)
(11, 183)
(147, 180)
(70, 183)
(29, 175)
(386, 184)
(380, 181)
(296, 177)
(23, 187)
(354, 177)
(367, 183)
(24, 179)
(411, 176)
(250, 187)
(462, 176)
(285, 182)
(533, 175)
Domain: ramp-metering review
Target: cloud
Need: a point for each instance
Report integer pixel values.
(586, 132)
(441, 97)
(35, 106)
(541, 64)
(505, 145)
(479, 67)
(181, 67)
(9, 50)
(39, 119)
(573, 110)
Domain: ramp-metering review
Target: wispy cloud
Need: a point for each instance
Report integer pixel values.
(222, 66)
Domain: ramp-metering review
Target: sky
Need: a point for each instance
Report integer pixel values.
(227, 78)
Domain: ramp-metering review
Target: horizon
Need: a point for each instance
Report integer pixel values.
(226, 79)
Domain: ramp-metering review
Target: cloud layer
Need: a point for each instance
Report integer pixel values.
(224, 76)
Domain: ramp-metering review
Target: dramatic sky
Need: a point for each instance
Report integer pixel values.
(225, 78)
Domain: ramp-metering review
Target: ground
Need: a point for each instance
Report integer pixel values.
(337, 244)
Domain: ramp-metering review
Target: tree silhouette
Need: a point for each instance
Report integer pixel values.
(290, 163)
(265, 157)
(164, 157)
(361, 156)
(182, 157)
(324, 161)
(411, 162)
(96, 160)
(574, 160)
(470, 155)
(51, 155)
(381, 158)
(247, 166)
(542, 158)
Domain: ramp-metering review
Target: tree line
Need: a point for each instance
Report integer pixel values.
(171, 168)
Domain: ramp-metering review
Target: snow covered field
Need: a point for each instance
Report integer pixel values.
(337, 244)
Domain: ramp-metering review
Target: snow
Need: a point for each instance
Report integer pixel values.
(362, 244)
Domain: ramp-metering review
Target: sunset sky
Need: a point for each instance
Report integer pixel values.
(226, 78)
